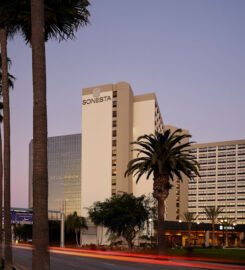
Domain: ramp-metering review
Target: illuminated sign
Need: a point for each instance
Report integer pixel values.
(221, 227)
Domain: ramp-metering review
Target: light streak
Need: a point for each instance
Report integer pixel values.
(144, 258)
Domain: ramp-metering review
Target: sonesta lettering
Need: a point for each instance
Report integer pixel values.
(96, 100)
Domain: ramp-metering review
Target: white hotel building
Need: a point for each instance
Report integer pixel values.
(89, 167)
(112, 117)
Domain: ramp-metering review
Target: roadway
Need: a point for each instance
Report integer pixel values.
(67, 259)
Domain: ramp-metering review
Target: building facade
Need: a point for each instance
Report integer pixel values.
(64, 173)
(222, 181)
(177, 201)
(82, 172)
(113, 117)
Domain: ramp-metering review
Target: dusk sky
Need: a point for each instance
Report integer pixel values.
(191, 53)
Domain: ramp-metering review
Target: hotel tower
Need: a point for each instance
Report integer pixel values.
(112, 117)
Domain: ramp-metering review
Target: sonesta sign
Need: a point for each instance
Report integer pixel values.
(96, 100)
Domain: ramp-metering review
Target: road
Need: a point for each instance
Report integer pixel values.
(68, 260)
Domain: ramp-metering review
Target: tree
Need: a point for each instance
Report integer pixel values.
(23, 231)
(1, 189)
(189, 218)
(212, 213)
(11, 78)
(164, 155)
(76, 223)
(6, 82)
(6, 151)
(59, 19)
(123, 215)
(11, 84)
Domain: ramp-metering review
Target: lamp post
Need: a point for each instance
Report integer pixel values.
(223, 223)
(62, 230)
(197, 223)
(234, 228)
(181, 234)
(151, 223)
(62, 225)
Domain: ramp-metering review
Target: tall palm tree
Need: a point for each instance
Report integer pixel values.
(40, 258)
(40, 167)
(6, 83)
(76, 223)
(212, 213)
(6, 149)
(166, 156)
(60, 19)
(11, 84)
(1, 188)
(189, 218)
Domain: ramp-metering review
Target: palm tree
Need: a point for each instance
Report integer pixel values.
(6, 147)
(212, 213)
(76, 223)
(60, 19)
(1, 188)
(189, 218)
(165, 156)
(11, 84)
(40, 166)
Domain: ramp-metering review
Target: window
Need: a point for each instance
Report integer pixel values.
(114, 182)
(114, 113)
(114, 123)
(114, 133)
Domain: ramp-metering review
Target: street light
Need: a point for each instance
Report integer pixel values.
(151, 224)
(197, 223)
(223, 223)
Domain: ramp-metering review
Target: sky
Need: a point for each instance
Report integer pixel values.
(191, 53)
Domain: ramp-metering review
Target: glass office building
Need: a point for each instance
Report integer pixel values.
(64, 173)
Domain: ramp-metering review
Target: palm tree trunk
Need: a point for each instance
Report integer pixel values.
(160, 227)
(1, 199)
(40, 259)
(160, 192)
(130, 244)
(76, 238)
(6, 126)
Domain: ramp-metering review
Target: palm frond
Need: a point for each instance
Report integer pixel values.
(163, 154)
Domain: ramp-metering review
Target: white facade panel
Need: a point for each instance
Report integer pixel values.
(96, 149)
(143, 123)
